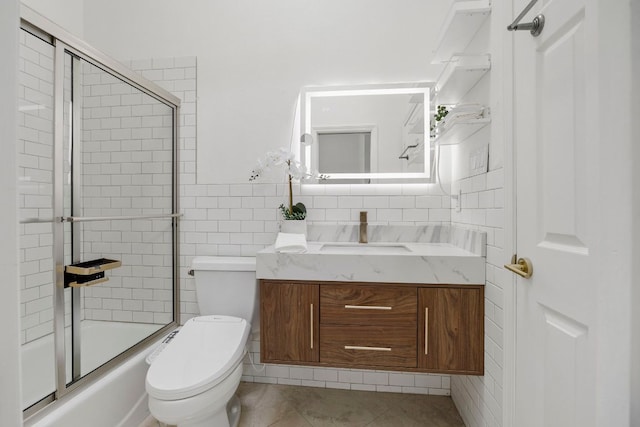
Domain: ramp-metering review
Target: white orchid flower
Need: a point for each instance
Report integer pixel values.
(294, 171)
(297, 171)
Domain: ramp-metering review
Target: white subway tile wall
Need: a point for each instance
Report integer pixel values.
(479, 399)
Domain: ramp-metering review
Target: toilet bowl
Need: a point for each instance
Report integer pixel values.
(192, 382)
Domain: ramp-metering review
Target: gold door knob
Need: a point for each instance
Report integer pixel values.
(523, 267)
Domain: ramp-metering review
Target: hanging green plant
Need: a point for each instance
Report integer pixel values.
(441, 112)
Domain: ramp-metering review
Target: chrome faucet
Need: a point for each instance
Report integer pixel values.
(363, 227)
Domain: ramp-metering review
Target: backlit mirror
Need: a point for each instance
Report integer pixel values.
(366, 134)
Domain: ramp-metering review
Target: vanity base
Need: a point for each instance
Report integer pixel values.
(406, 327)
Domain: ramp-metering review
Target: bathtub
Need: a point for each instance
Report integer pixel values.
(116, 399)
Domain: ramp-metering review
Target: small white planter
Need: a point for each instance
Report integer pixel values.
(295, 226)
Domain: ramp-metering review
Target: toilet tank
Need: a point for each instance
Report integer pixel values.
(226, 285)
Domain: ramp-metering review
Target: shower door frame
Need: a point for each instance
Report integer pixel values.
(65, 43)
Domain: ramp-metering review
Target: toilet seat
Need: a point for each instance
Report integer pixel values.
(205, 351)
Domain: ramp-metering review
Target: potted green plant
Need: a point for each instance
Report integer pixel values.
(293, 215)
(441, 113)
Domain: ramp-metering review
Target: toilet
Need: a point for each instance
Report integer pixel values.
(192, 382)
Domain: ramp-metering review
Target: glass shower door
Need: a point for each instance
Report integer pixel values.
(119, 200)
(98, 214)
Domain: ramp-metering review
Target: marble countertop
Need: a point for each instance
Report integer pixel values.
(424, 263)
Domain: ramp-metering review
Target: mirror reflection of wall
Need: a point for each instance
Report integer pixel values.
(384, 113)
(344, 152)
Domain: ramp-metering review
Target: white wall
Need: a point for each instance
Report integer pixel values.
(254, 56)
(69, 14)
(10, 406)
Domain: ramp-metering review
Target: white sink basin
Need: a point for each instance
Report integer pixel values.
(364, 248)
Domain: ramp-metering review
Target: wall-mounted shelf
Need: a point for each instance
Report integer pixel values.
(459, 76)
(462, 23)
(88, 273)
(461, 130)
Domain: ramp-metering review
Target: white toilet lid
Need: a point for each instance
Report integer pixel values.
(199, 357)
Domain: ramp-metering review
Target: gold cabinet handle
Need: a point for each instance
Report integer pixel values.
(426, 330)
(523, 267)
(368, 307)
(311, 317)
(358, 347)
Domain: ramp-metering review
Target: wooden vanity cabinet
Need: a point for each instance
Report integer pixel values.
(289, 322)
(422, 328)
(451, 329)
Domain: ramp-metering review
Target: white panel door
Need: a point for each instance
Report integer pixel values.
(556, 126)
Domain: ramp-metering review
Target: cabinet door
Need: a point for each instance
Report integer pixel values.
(288, 322)
(451, 330)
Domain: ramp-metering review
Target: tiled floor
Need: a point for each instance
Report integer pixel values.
(291, 406)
